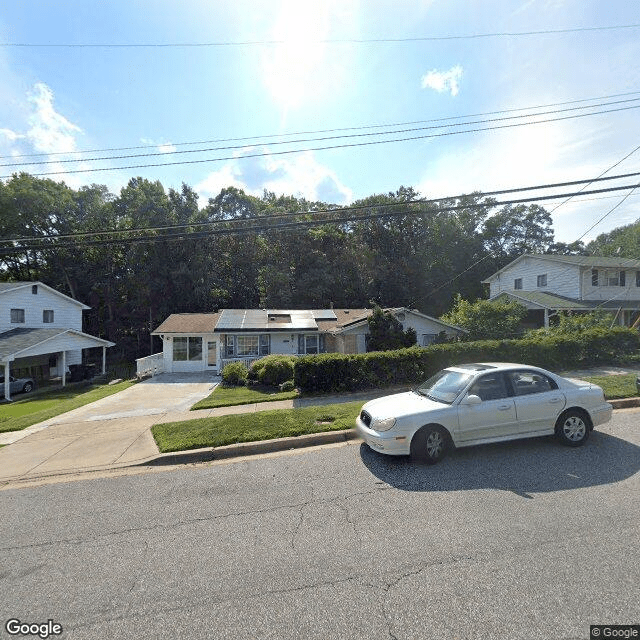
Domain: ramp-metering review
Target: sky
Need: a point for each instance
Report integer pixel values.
(282, 67)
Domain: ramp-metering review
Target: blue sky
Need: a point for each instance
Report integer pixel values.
(73, 99)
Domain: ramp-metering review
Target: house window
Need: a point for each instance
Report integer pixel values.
(612, 278)
(47, 316)
(265, 345)
(542, 280)
(247, 346)
(594, 277)
(17, 316)
(310, 344)
(517, 283)
(187, 349)
(623, 278)
(34, 289)
(428, 338)
(637, 278)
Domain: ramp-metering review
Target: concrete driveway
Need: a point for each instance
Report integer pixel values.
(111, 431)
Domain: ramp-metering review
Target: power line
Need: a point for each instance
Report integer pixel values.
(245, 43)
(287, 225)
(327, 147)
(321, 139)
(289, 214)
(318, 131)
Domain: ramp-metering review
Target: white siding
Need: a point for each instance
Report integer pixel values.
(282, 343)
(186, 366)
(628, 292)
(562, 279)
(66, 314)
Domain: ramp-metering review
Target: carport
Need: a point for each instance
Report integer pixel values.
(25, 343)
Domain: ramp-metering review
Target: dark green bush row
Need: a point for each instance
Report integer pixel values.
(336, 372)
(273, 370)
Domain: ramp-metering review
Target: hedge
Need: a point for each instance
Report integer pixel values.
(332, 372)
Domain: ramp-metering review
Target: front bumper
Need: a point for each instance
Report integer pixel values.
(390, 442)
(601, 414)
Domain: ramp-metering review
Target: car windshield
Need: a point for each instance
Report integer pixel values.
(445, 386)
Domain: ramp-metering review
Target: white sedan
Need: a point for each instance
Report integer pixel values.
(480, 403)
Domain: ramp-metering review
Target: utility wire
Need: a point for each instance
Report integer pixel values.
(327, 147)
(244, 43)
(364, 207)
(319, 131)
(321, 139)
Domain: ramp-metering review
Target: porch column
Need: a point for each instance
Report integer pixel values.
(7, 383)
(546, 318)
(104, 360)
(64, 368)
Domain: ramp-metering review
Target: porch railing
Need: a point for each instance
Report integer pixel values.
(246, 361)
(150, 366)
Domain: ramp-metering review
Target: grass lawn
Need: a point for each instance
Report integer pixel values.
(30, 409)
(250, 427)
(618, 386)
(232, 396)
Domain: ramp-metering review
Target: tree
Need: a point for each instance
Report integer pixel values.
(386, 332)
(485, 319)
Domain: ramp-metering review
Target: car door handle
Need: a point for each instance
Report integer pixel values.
(504, 407)
(555, 400)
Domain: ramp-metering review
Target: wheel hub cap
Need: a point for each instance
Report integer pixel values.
(434, 444)
(574, 428)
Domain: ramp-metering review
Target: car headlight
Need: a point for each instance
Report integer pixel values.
(384, 425)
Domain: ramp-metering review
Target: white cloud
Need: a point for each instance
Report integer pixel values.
(442, 81)
(49, 132)
(11, 136)
(301, 175)
(167, 147)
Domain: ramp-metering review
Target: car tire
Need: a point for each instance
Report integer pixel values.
(28, 387)
(573, 427)
(429, 444)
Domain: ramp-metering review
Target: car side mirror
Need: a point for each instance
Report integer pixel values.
(471, 400)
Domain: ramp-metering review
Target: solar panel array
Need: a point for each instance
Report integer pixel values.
(281, 319)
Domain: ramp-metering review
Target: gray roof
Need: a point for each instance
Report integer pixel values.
(17, 340)
(561, 303)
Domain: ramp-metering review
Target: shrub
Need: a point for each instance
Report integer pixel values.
(332, 372)
(274, 369)
(235, 374)
(288, 385)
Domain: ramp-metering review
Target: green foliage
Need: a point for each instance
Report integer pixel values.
(386, 332)
(288, 385)
(235, 374)
(338, 372)
(273, 370)
(486, 319)
(574, 322)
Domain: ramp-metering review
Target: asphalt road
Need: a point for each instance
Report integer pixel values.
(521, 540)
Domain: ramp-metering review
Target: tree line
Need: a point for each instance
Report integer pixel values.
(399, 252)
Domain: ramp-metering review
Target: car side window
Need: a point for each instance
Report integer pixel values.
(527, 382)
(490, 387)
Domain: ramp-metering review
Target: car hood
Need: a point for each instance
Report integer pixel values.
(401, 404)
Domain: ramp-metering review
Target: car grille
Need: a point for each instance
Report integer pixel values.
(366, 418)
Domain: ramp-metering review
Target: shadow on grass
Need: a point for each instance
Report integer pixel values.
(522, 467)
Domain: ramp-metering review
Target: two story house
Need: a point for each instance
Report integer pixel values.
(208, 341)
(549, 284)
(41, 332)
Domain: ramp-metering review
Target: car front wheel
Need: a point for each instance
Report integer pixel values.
(28, 387)
(573, 428)
(429, 444)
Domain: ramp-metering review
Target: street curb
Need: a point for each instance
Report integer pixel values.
(625, 403)
(207, 454)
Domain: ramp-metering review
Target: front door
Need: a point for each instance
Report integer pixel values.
(212, 355)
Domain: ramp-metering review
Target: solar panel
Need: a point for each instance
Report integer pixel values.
(324, 314)
(258, 320)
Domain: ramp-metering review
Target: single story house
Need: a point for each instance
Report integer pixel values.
(41, 333)
(549, 284)
(208, 341)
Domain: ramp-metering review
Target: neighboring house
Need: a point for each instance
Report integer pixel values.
(208, 341)
(548, 284)
(41, 332)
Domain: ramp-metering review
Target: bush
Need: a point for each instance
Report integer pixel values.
(235, 374)
(273, 370)
(332, 372)
(287, 386)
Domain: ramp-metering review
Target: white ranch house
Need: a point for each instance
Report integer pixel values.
(548, 284)
(41, 332)
(208, 341)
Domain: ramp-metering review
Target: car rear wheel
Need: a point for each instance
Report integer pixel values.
(573, 427)
(429, 444)
(28, 387)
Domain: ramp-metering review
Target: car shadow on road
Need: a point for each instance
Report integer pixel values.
(523, 467)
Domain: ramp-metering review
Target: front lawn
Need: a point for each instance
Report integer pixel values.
(231, 396)
(31, 409)
(616, 386)
(251, 427)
